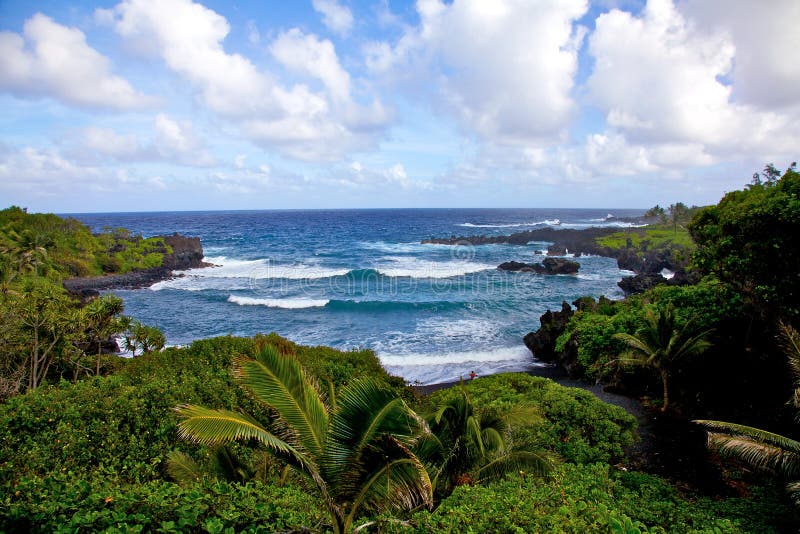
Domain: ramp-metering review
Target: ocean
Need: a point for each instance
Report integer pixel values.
(361, 279)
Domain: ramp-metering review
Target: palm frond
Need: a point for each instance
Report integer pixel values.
(636, 344)
(281, 382)
(213, 427)
(365, 413)
(537, 463)
(793, 489)
(400, 485)
(183, 468)
(748, 432)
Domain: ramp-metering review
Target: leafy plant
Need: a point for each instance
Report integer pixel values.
(470, 446)
(659, 344)
(758, 448)
(356, 448)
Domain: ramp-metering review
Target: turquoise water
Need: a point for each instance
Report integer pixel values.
(361, 278)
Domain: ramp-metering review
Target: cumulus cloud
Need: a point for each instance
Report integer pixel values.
(660, 79)
(335, 16)
(173, 141)
(51, 60)
(296, 120)
(44, 172)
(504, 68)
(764, 73)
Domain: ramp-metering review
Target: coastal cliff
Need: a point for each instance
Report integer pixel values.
(187, 253)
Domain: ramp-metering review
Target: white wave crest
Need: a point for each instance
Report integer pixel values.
(396, 247)
(546, 222)
(262, 269)
(402, 266)
(425, 368)
(289, 304)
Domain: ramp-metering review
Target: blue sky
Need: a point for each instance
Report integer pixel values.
(143, 105)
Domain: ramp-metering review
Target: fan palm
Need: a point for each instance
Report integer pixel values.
(759, 448)
(357, 450)
(658, 344)
(467, 445)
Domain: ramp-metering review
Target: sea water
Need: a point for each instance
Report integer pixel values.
(362, 279)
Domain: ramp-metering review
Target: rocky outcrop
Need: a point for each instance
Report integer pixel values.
(542, 343)
(579, 242)
(187, 253)
(548, 266)
(640, 283)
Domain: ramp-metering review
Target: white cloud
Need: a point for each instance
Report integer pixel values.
(660, 79)
(765, 72)
(313, 57)
(335, 16)
(296, 120)
(43, 172)
(173, 141)
(504, 68)
(51, 60)
(356, 175)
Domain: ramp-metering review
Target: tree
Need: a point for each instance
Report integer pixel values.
(751, 240)
(470, 446)
(678, 213)
(356, 447)
(143, 338)
(102, 319)
(761, 449)
(659, 344)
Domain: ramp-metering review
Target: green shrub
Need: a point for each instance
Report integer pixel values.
(578, 426)
(594, 498)
(63, 503)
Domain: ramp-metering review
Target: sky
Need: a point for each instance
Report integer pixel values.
(152, 105)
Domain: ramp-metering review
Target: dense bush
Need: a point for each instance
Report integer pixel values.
(594, 498)
(577, 425)
(125, 424)
(63, 502)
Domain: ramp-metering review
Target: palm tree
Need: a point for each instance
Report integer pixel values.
(469, 446)
(659, 344)
(357, 450)
(761, 449)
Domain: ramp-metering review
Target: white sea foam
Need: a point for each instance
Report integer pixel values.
(405, 266)
(261, 269)
(666, 273)
(289, 304)
(432, 368)
(396, 247)
(546, 222)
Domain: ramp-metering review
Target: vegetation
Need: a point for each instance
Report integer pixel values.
(290, 438)
(660, 345)
(45, 243)
(354, 445)
(751, 240)
(469, 445)
(758, 448)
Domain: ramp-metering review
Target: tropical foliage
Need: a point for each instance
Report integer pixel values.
(355, 445)
(751, 240)
(761, 449)
(469, 446)
(660, 345)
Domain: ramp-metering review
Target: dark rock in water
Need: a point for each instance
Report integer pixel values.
(560, 266)
(187, 253)
(556, 250)
(542, 343)
(516, 266)
(548, 266)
